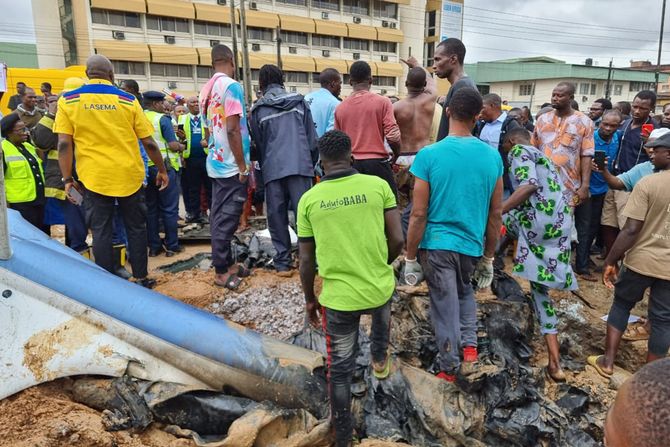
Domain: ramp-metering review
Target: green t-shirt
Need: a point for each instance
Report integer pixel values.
(344, 215)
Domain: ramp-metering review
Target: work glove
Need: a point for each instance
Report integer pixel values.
(483, 275)
(413, 274)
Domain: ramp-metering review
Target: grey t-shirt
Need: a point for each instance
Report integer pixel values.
(465, 81)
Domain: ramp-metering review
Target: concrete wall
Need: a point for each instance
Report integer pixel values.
(48, 34)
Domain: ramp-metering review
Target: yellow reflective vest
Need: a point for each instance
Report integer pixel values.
(173, 157)
(20, 186)
(185, 120)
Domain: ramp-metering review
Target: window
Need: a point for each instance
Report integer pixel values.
(255, 74)
(526, 89)
(260, 34)
(296, 76)
(638, 86)
(170, 24)
(356, 44)
(211, 28)
(315, 78)
(587, 89)
(358, 7)
(171, 70)
(294, 2)
(386, 81)
(319, 40)
(385, 10)
(204, 72)
(128, 68)
(293, 38)
(618, 89)
(430, 23)
(104, 17)
(333, 5)
(428, 51)
(484, 89)
(384, 47)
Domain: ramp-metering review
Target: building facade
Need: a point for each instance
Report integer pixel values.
(530, 81)
(166, 43)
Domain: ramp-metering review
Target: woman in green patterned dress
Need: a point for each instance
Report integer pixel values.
(539, 215)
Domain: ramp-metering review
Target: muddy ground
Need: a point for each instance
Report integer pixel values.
(47, 416)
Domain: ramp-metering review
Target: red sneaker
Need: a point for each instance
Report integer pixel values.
(451, 378)
(470, 354)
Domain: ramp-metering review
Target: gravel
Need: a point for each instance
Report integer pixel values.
(277, 311)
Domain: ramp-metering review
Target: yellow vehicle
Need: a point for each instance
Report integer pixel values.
(33, 77)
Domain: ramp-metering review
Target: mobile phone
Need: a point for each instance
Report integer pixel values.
(180, 127)
(599, 158)
(76, 196)
(647, 129)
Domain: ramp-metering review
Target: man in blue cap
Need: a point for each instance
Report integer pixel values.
(163, 202)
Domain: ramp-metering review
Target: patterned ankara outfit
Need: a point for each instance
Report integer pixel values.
(543, 225)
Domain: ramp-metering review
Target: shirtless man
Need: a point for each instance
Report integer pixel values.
(414, 116)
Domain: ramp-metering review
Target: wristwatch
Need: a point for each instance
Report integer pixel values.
(245, 172)
(67, 180)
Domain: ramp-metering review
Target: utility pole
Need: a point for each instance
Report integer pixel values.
(279, 64)
(245, 53)
(233, 30)
(608, 86)
(660, 47)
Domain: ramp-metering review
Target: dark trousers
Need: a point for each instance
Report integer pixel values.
(228, 197)
(163, 204)
(193, 178)
(629, 291)
(33, 213)
(583, 225)
(100, 215)
(379, 167)
(596, 205)
(341, 329)
(75, 225)
(281, 196)
(453, 310)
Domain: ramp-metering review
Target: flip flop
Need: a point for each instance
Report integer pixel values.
(636, 331)
(587, 277)
(593, 361)
(243, 272)
(384, 373)
(232, 282)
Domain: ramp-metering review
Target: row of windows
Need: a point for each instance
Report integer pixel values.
(210, 29)
(590, 88)
(380, 9)
(125, 68)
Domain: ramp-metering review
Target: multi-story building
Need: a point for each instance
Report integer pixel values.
(530, 81)
(166, 43)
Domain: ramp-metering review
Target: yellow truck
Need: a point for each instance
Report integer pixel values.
(33, 77)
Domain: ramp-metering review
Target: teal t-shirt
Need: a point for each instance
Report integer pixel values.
(344, 214)
(462, 173)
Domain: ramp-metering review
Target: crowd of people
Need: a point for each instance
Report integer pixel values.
(448, 181)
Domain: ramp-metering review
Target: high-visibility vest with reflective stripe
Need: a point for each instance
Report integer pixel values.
(155, 119)
(20, 184)
(50, 191)
(186, 121)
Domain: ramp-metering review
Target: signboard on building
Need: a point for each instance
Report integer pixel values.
(451, 24)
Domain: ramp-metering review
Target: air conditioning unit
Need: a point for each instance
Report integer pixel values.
(385, 24)
(385, 58)
(383, 91)
(221, 2)
(324, 15)
(325, 53)
(253, 6)
(118, 35)
(357, 56)
(394, 25)
(213, 43)
(293, 89)
(292, 50)
(255, 47)
(169, 39)
(357, 20)
(172, 84)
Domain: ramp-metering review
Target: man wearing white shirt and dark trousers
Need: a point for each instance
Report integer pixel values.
(194, 173)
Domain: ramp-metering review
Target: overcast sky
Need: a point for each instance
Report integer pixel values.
(570, 30)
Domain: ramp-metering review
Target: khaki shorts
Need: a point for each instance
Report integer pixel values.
(615, 202)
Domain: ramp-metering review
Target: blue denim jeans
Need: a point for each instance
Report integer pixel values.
(165, 204)
(341, 329)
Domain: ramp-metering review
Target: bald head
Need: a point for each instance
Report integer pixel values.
(99, 67)
(416, 79)
(192, 104)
